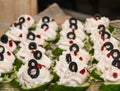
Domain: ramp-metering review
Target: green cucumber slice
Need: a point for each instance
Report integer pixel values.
(57, 87)
(57, 51)
(96, 74)
(42, 87)
(110, 87)
(17, 63)
(111, 29)
(33, 27)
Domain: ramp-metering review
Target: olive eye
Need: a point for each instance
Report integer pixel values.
(74, 47)
(2, 49)
(37, 54)
(73, 67)
(71, 35)
(32, 46)
(1, 57)
(116, 63)
(4, 38)
(73, 23)
(68, 58)
(31, 36)
(101, 27)
(45, 19)
(108, 45)
(115, 54)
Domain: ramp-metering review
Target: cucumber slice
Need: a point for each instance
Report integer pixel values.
(110, 87)
(111, 29)
(42, 87)
(57, 51)
(17, 63)
(33, 27)
(58, 87)
(96, 74)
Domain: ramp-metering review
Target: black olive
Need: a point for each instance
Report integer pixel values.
(108, 45)
(73, 20)
(4, 38)
(32, 46)
(1, 57)
(115, 53)
(71, 35)
(37, 54)
(101, 27)
(31, 36)
(2, 49)
(97, 16)
(73, 23)
(20, 23)
(73, 67)
(104, 33)
(45, 19)
(44, 25)
(74, 47)
(116, 63)
(32, 64)
(68, 58)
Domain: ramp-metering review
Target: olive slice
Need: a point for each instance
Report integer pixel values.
(101, 27)
(33, 71)
(68, 58)
(1, 57)
(31, 36)
(115, 53)
(45, 19)
(108, 45)
(74, 47)
(32, 46)
(4, 38)
(73, 23)
(71, 35)
(105, 34)
(73, 67)
(44, 25)
(37, 54)
(116, 63)
(2, 49)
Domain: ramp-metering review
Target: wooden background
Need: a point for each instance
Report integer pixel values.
(11, 9)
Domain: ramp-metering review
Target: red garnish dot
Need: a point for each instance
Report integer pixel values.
(80, 58)
(71, 42)
(46, 29)
(108, 55)
(102, 48)
(73, 30)
(99, 32)
(95, 18)
(82, 71)
(115, 75)
(75, 53)
(53, 20)
(15, 24)
(28, 18)
(103, 38)
(38, 36)
(32, 52)
(10, 43)
(8, 53)
(20, 35)
(39, 66)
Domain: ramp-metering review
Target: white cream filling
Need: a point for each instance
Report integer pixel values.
(64, 43)
(67, 77)
(50, 33)
(108, 75)
(27, 81)
(91, 22)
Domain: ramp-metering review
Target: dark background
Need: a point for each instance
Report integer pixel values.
(108, 8)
